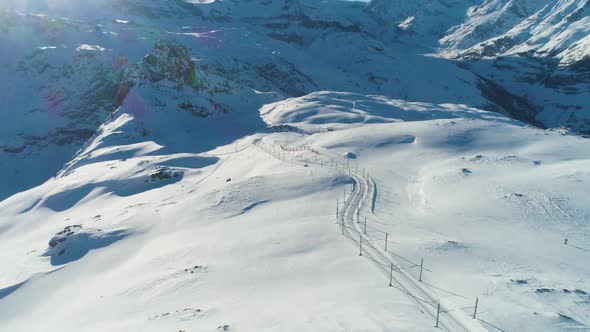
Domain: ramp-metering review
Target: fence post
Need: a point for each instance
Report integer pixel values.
(475, 311)
(437, 314)
(361, 246)
(337, 206)
(386, 236)
(391, 275)
(365, 230)
(421, 267)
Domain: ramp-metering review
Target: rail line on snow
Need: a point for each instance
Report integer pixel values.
(364, 194)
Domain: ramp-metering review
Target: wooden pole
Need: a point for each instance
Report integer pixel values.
(361, 247)
(365, 230)
(386, 236)
(421, 267)
(437, 314)
(391, 275)
(475, 310)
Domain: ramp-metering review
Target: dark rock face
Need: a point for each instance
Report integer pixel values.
(62, 236)
(286, 77)
(504, 102)
(202, 111)
(491, 48)
(165, 173)
(167, 61)
(540, 91)
(582, 65)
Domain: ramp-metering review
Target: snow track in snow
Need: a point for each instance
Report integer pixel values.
(450, 317)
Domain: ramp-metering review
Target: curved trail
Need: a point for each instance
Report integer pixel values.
(450, 318)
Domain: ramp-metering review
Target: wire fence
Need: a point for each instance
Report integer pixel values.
(354, 212)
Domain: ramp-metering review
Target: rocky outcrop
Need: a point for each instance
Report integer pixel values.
(169, 61)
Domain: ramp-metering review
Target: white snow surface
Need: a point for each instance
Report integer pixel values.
(178, 165)
(145, 238)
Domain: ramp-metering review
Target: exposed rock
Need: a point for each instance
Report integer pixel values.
(168, 60)
(165, 173)
(64, 234)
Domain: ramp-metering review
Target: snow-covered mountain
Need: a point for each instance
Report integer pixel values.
(67, 60)
(536, 49)
(164, 164)
(519, 27)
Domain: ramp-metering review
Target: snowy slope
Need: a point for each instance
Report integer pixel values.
(464, 193)
(140, 237)
(149, 174)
